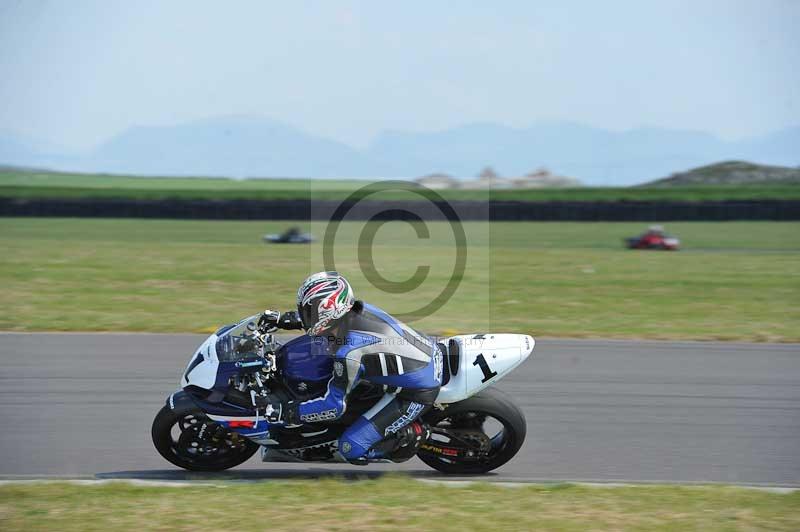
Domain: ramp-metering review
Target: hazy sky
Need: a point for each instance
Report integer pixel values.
(78, 72)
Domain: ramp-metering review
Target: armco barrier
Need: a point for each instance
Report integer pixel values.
(323, 210)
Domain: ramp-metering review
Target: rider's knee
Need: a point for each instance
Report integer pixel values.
(358, 439)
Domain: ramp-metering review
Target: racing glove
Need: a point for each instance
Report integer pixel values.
(268, 321)
(277, 409)
(290, 321)
(272, 320)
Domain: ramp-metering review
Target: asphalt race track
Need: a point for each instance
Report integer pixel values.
(81, 405)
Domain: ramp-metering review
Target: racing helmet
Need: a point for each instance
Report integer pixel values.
(322, 300)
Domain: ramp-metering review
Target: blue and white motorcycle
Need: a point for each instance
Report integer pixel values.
(214, 422)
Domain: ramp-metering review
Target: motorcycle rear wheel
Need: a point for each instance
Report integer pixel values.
(472, 414)
(182, 440)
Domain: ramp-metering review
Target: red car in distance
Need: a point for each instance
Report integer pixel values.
(654, 238)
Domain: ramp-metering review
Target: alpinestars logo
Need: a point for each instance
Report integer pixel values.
(411, 412)
(315, 417)
(338, 368)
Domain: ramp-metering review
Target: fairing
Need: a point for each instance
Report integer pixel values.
(484, 359)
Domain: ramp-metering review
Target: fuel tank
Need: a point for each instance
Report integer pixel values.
(306, 364)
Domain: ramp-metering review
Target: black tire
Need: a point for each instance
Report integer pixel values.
(496, 405)
(227, 457)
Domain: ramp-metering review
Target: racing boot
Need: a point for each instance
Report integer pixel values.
(408, 440)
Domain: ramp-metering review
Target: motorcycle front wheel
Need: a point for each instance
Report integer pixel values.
(194, 442)
(475, 435)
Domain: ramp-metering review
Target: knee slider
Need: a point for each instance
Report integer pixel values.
(357, 440)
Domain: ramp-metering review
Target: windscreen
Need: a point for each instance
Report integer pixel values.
(239, 342)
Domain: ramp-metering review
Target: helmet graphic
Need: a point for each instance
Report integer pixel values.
(322, 299)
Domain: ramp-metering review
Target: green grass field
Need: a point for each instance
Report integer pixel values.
(20, 184)
(392, 504)
(733, 281)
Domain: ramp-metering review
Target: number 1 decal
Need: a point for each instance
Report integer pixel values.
(487, 371)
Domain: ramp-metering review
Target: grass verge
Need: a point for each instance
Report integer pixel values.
(391, 503)
(733, 281)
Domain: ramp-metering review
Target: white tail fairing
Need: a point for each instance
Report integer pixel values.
(479, 360)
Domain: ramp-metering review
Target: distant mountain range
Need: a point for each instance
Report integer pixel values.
(257, 147)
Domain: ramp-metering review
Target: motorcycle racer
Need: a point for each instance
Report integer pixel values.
(366, 344)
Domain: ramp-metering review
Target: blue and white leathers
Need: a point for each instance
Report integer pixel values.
(375, 347)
